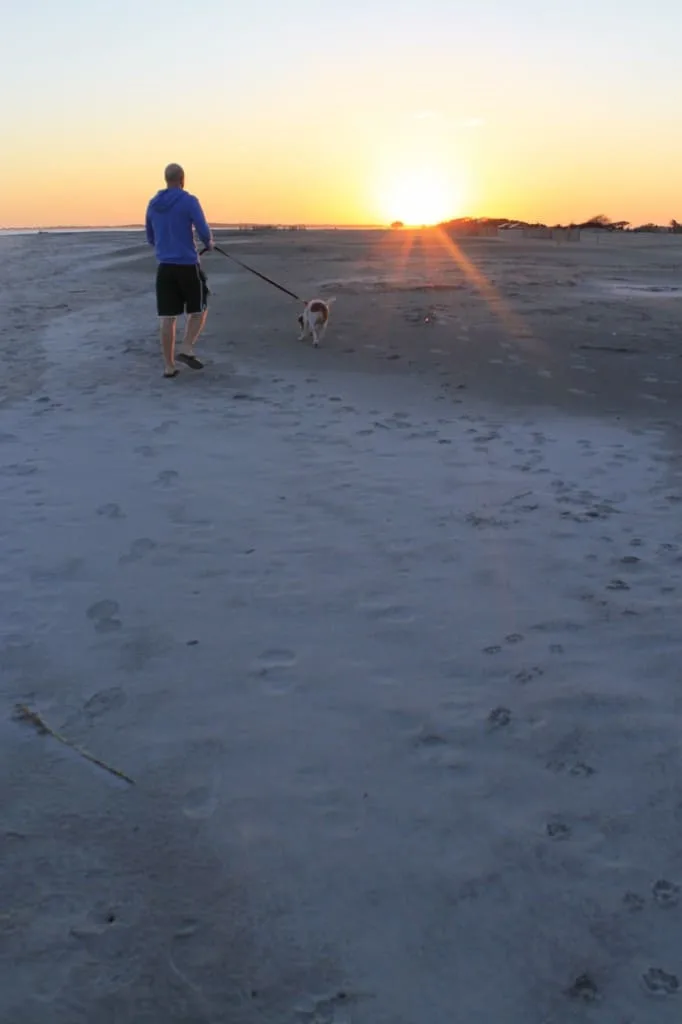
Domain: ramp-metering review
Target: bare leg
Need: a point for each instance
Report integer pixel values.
(194, 325)
(167, 327)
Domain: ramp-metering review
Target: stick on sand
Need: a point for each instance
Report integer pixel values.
(24, 714)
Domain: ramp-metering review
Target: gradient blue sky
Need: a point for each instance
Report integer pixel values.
(354, 112)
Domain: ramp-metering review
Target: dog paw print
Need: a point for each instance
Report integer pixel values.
(429, 739)
(584, 989)
(617, 585)
(493, 649)
(666, 894)
(104, 615)
(499, 718)
(659, 983)
(558, 830)
(581, 770)
(526, 675)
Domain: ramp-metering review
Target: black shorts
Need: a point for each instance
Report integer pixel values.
(180, 288)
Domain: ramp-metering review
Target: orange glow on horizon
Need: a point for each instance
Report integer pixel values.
(514, 116)
(419, 198)
(263, 183)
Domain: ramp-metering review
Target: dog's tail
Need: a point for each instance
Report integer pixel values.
(330, 302)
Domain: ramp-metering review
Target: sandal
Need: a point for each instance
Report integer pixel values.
(191, 361)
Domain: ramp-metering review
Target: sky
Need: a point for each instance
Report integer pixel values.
(360, 112)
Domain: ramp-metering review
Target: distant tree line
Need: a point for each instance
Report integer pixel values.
(598, 223)
(603, 223)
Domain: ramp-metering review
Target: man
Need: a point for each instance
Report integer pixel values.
(180, 282)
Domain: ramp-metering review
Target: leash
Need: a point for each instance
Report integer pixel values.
(256, 272)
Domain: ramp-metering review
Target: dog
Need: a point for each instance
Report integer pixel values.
(314, 319)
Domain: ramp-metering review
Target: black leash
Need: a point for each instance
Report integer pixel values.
(256, 272)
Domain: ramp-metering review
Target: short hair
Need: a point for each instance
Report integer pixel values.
(174, 174)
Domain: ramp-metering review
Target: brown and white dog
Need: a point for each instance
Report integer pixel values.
(314, 319)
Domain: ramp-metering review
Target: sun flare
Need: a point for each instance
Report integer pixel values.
(420, 199)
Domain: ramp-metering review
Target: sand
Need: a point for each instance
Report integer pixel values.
(386, 634)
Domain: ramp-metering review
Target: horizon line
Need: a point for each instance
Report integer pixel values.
(302, 226)
(217, 225)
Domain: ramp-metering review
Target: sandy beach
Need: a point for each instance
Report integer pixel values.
(387, 635)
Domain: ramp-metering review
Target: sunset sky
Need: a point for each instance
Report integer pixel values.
(358, 112)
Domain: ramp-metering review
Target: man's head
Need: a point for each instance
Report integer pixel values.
(175, 176)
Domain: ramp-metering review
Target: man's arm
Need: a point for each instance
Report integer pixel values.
(149, 229)
(200, 223)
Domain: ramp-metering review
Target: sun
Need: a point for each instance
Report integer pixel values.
(420, 199)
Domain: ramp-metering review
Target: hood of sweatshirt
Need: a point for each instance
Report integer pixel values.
(167, 198)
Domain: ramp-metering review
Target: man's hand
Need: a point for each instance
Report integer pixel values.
(209, 245)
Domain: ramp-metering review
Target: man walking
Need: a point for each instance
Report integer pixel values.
(180, 282)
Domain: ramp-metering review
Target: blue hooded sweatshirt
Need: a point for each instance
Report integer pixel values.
(171, 214)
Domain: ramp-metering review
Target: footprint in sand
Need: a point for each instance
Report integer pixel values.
(660, 983)
(429, 739)
(104, 616)
(165, 426)
(111, 511)
(138, 549)
(276, 658)
(97, 921)
(105, 700)
(386, 612)
(558, 830)
(333, 1008)
(514, 638)
(526, 675)
(581, 770)
(167, 476)
(436, 750)
(499, 718)
(19, 469)
(666, 894)
(584, 989)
